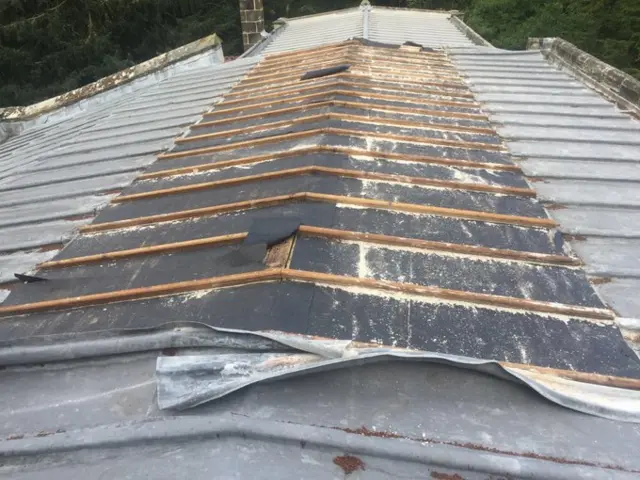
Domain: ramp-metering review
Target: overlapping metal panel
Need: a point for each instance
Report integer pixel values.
(581, 153)
(55, 177)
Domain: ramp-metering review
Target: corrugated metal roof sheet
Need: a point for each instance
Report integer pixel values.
(379, 24)
(582, 153)
(55, 176)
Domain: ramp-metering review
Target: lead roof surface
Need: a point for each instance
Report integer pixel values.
(419, 229)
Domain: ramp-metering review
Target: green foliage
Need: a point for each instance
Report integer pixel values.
(48, 47)
(608, 29)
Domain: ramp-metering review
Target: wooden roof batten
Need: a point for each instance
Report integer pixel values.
(416, 93)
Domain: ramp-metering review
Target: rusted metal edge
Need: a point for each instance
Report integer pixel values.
(584, 377)
(257, 100)
(448, 294)
(328, 233)
(340, 116)
(320, 170)
(335, 131)
(203, 167)
(345, 103)
(368, 120)
(534, 222)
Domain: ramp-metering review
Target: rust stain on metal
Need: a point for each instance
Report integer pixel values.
(555, 206)
(600, 280)
(370, 433)
(349, 463)
(46, 433)
(483, 448)
(51, 247)
(446, 476)
(575, 238)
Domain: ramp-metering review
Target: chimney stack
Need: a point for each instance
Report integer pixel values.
(252, 20)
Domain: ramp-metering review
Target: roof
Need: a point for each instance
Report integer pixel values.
(57, 174)
(370, 151)
(356, 211)
(378, 24)
(582, 154)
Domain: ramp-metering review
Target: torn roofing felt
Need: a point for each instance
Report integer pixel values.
(413, 226)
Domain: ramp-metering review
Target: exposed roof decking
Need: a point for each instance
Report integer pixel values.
(582, 153)
(416, 212)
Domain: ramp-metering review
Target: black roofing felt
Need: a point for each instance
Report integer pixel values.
(512, 279)
(324, 311)
(327, 184)
(334, 160)
(345, 313)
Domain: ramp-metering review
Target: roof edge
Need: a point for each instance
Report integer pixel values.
(457, 20)
(29, 112)
(612, 83)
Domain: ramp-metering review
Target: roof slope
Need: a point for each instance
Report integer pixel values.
(418, 229)
(378, 24)
(581, 152)
(55, 176)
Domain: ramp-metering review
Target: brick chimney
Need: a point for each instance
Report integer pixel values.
(252, 20)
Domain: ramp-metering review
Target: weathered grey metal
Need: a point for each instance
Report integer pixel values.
(611, 82)
(212, 42)
(582, 151)
(70, 161)
(380, 24)
(458, 20)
